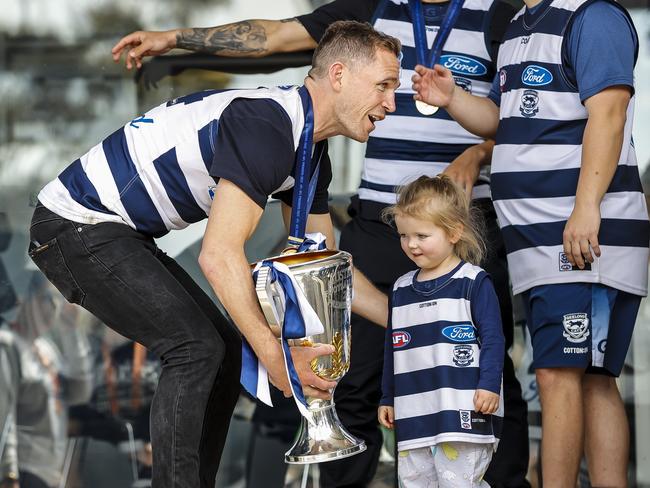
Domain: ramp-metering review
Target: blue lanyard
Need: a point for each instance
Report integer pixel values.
(304, 187)
(420, 31)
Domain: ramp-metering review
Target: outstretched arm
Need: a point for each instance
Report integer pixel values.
(248, 38)
(437, 87)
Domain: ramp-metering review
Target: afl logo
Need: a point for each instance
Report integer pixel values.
(535, 75)
(401, 339)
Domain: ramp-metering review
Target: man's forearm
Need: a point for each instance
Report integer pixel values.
(223, 272)
(248, 38)
(368, 301)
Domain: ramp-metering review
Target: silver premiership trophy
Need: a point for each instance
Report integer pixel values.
(325, 278)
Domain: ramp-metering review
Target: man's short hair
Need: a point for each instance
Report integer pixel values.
(352, 42)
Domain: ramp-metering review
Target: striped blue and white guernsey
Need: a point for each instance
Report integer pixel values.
(155, 176)
(536, 164)
(436, 351)
(407, 144)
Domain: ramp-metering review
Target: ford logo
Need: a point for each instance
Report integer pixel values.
(535, 75)
(459, 333)
(462, 65)
(401, 339)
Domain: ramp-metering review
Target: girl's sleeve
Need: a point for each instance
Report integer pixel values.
(388, 378)
(487, 318)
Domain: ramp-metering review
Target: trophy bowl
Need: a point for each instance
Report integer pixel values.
(325, 278)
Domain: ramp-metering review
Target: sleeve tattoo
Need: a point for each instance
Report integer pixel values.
(239, 38)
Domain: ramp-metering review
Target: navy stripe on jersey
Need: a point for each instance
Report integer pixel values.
(613, 232)
(415, 382)
(467, 20)
(557, 183)
(417, 151)
(133, 193)
(446, 421)
(207, 135)
(552, 22)
(428, 334)
(522, 130)
(453, 288)
(81, 189)
(177, 188)
(514, 78)
(487, 72)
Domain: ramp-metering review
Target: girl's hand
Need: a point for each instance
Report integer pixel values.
(386, 416)
(486, 402)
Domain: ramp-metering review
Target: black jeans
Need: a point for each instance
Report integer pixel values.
(376, 250)
(121, 277)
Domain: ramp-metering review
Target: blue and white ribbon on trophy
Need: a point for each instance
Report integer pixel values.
(299, 318)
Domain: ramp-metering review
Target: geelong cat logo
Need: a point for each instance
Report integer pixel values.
(535, 75)
(401, 339)
(459, 333)
(463, 65)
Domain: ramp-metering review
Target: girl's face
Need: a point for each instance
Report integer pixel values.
(426, 244)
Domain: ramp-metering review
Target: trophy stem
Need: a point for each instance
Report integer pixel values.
(323, 438)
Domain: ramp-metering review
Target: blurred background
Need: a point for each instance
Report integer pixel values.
(74, 396)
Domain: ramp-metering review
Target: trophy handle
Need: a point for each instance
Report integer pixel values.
(271, 302)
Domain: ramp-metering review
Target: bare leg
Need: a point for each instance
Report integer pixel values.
(607, 435)
(562, 425)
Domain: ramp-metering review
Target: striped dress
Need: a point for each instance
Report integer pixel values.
(441, 345)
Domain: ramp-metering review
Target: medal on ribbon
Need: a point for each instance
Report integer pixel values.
(421, 43)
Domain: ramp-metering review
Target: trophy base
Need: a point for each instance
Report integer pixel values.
(323, 439)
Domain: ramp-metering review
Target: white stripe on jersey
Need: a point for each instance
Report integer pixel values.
(522, 211)
(424, 130)
(427, 357)
(383, 171)
(470, 43)
(511, 158)
(101, 178)
(431, 402)
(194, 170)
(530, 267)
(542, 51)
(449, 309)
(550, 105)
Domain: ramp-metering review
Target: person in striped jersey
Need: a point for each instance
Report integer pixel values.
(405, 145)
(567, 191)
(443, 357)
(215, 155)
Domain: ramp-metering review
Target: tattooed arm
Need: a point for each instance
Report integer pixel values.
(248, 38)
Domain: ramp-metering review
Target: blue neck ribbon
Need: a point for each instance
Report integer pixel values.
(420, 31)
(304, 188)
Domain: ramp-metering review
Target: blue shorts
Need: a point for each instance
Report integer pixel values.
(580, 325)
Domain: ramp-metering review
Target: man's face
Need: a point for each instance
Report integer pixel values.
(367, 93)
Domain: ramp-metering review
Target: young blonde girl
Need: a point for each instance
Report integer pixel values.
(444, 343)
